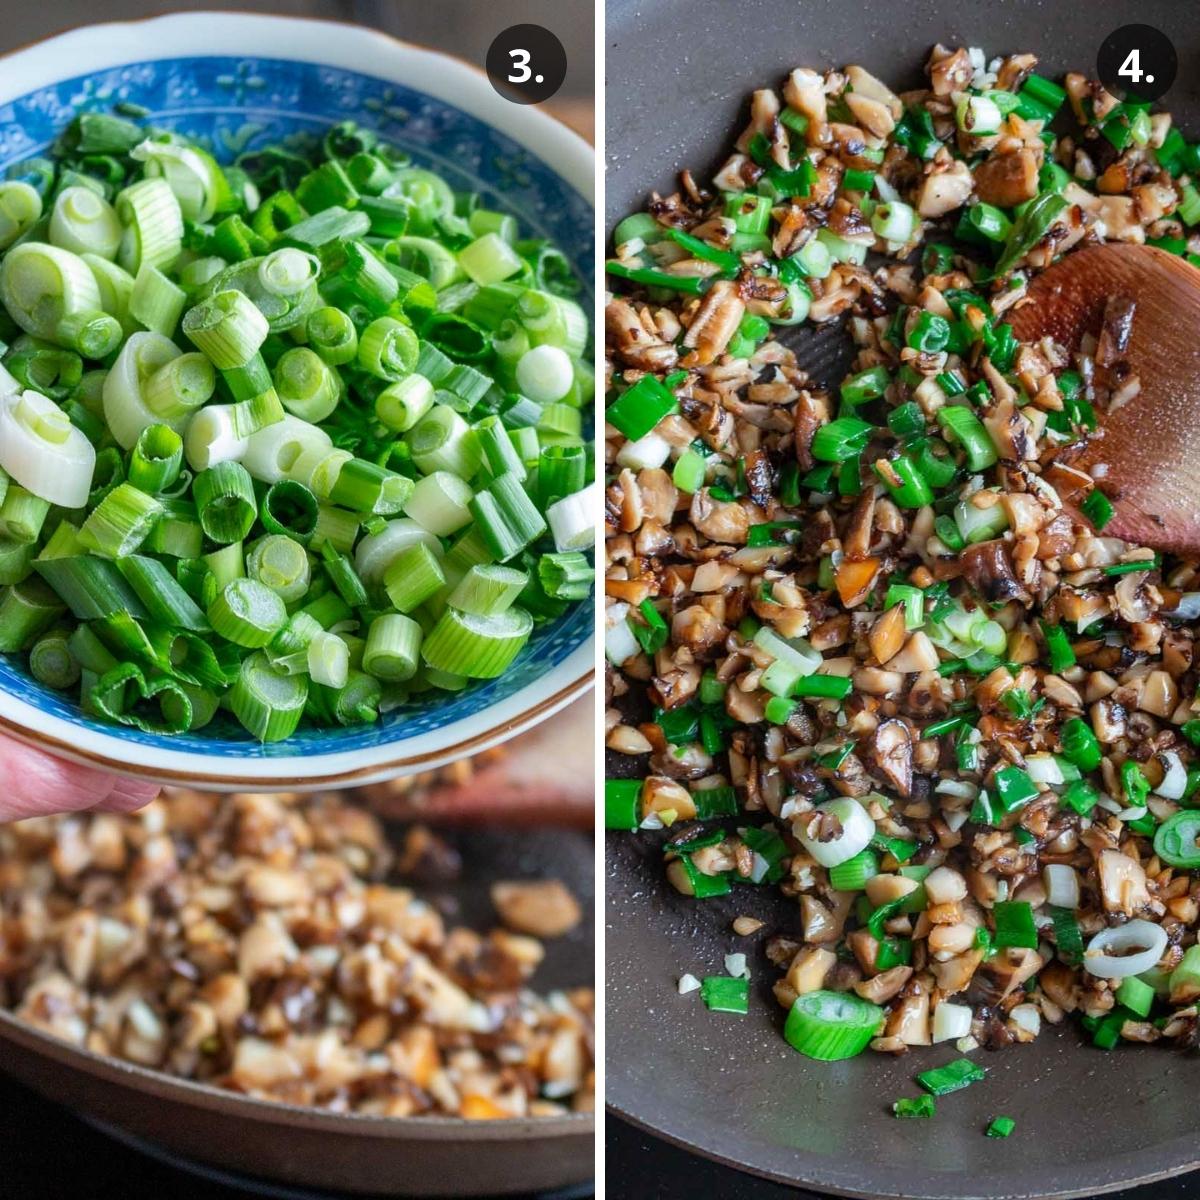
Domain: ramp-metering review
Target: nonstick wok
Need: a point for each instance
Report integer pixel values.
(416, 1156)
(679, 74)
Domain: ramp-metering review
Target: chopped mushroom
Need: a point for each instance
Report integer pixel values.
(1122, 883)
(944, 190)
(987, 568)
(893, 593)
(893, 754)
(1006, 180)
(542, 907)
(276, 962)
(715, 322)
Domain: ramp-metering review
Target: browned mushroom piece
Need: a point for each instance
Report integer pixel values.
(1006, 180)
(856, 539)
(719, 520)
(892, 750)
(999, 976)
(988, 569)
(542, 907)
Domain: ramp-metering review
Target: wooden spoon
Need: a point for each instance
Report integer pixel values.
(1146, 455)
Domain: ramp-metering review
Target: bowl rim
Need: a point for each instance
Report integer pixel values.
(444, 77)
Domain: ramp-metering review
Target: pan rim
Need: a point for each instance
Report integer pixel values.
(1002, 1191)
(149, 1082)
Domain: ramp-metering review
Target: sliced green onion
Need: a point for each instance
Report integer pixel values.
(636, 411)
(120, 522)
(156, 459)
(43, 451)
(153, 226)
(476, 646)
(281, 564)
(163, 598)
(1098, 509)
(840, 440)
(894, 221)
(720, 993)
(1175, 840)
(84, 223)
(328, 660)
(954, 1076)
(20, 209)
(1080, 744)
(440, 503)
(247, 613)
(393, 647)
(91, 587)
(268, 702)
(915, 1106)
(155, 301)
(40, 285)
(1014, 924)
(402, 404)
(227, 328)
(961, 425)
(566, 576)
(51, 662)
(830, 1026)
(343, 576)
(225, 502)
(179, 387)
(332, 335)
(125, 696)
(388, 349)
(307, 386)
(487, 589)
(443, 441)
(413, 576)
(307, 324)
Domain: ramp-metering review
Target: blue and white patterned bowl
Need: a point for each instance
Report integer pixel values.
(237, 81)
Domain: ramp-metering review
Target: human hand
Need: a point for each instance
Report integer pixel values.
(36, 784)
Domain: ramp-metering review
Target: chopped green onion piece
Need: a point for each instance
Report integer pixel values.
(842, 439)
(268, 702)
(1080, 745)
(918, 1106)
(720, 993)
(1014, 924)
(475, 646)
(247, 613)
(960, 1073)
(622, 803)
(830, 1026)
(1001, 1127)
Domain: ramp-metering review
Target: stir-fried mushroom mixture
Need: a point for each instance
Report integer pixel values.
(894, 664)
(253, 942)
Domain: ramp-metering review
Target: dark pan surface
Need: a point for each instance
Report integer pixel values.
(679, 73)
(375, 1157)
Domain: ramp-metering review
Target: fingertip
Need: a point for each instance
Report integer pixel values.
(128, 795)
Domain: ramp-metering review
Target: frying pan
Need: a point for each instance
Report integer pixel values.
(679, 73)
(375, 1156)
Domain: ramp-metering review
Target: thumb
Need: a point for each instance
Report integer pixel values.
(33, 783)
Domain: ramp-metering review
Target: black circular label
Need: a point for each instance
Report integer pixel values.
(526, 64)
(1137, 61)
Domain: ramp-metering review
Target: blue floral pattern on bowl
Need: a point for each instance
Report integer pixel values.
(238, 104)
